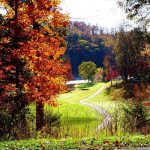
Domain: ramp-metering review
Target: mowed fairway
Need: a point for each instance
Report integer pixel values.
(78, 120)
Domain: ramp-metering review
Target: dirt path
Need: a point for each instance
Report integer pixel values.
(104, 113)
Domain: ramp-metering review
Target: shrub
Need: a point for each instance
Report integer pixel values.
(135, 117)
(98, 77)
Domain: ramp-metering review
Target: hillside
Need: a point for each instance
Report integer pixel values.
(87, 43)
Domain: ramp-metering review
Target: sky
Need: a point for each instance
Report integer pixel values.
(105, 13)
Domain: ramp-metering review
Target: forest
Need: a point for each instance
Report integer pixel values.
(71, 85)
(87, 43)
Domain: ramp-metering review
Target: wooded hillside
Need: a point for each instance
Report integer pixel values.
(86, 43)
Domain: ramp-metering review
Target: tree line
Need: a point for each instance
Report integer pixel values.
(86, 43)
(123, 52)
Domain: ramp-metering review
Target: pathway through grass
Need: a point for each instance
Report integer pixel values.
(104, 113)
(78, 120)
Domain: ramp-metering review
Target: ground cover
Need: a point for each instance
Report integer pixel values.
(76, 129)
(107, 143)
(78, 120)
(121, 110)
(109, 99)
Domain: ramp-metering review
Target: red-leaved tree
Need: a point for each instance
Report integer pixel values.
(32, 67)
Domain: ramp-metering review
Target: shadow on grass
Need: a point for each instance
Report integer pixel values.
(85, 86)
(78, 120)
(84, 89)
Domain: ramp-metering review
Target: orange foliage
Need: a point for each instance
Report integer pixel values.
(142, 92)
(42, 23)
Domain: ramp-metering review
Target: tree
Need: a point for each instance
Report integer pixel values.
(98, 77)
(127, 49)
(32, 47)
(121, 52)
(87, 70)
(145, 63)
(137, 9)
(136, 44)
(111, 72)
(86, 43)
(12, 68)
(107, 69)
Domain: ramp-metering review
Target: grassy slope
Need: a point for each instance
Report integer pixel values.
(76, 116)
(109, 100)
(79, 93)
(78, 120)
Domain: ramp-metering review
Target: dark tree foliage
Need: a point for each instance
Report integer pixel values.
(12, 78)
(128, 50)
(86, 43)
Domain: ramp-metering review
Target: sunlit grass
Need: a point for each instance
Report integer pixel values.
(103, 142)
(78, 94)
(108, 101)
(78, 120)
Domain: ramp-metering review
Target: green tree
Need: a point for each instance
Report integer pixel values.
(87, 43)
(127, 49)
(87, 70)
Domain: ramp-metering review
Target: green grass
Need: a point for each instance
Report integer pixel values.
(76, 130)
(109, 100)
(79, 93)
(78, 120)
(112, 142)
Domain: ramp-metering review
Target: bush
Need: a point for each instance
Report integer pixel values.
(4, 124)
(98, 77)
(135, 117)
(13, 127)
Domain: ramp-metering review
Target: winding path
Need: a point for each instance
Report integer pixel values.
(104, 113)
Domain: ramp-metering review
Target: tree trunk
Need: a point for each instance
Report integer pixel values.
(125, 78)
(39, 115)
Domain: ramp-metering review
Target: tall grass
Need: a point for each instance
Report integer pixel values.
(73, 120)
